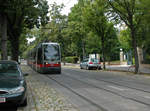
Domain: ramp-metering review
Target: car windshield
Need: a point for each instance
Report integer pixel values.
(9, 69)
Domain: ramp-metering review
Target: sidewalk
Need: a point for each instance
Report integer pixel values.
(128, 68)
(144, 68)
(41, 96)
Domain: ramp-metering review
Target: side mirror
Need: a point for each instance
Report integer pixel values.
(25, 74)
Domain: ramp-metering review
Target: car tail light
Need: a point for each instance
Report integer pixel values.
(99, 63)
(90, 62)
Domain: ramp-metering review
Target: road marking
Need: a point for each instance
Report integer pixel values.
(117, 88)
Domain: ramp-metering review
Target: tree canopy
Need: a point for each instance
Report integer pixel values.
(19, 17)
(131, 12)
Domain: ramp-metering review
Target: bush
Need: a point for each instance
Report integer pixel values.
(71, 59)
(147, 59)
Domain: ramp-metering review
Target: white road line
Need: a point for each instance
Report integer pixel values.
(117, 88)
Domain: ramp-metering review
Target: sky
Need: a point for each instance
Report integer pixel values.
(68, 4)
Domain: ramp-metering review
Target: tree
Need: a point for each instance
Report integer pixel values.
(3, 31)
(19, 16)
(54, 31)
(131, 13)
(144, 28)
(95, 19)
(93, 43)
(77, 30)
(111, 43)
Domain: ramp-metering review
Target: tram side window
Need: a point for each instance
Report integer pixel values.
(39, 58)
(34, 56)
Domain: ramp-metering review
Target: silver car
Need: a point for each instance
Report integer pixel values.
(90, 63)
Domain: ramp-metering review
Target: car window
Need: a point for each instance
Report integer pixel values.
(94, 60)
(85, 60)
(9, 69)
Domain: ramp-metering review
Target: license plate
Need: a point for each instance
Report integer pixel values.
(2, 100)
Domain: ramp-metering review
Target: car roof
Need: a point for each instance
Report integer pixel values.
(8, 61)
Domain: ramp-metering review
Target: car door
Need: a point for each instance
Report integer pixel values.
(85, 63)
(81, 64)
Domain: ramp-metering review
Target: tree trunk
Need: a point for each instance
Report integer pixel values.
(15, 48)
(3, 29)
(134, 43)
(83, 49)
(0, 32)
(140, 55)
(103, 52)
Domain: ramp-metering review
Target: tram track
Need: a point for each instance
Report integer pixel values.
(76, 93)
(98, 87)
(117, 83)
(94, 86)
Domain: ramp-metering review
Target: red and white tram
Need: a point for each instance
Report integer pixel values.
(45, 58)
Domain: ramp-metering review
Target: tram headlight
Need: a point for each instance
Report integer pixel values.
(45, 62)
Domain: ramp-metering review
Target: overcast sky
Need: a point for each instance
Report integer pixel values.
(68, 4)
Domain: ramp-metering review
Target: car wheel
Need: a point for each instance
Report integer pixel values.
(87, 68)
(24, 103)
(99, 68)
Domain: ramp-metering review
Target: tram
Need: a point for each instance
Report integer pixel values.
(45, 58)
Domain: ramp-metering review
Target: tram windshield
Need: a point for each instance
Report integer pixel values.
(51, 52)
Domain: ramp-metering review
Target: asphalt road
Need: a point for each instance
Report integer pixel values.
(102, 91)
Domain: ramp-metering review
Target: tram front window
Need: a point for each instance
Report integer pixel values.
(51, 52)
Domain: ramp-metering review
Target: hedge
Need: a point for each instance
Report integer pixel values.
(71, 59)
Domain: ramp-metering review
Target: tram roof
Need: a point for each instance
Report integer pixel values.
(49, 43)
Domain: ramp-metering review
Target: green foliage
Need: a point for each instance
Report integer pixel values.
(54, 31)
(94, 15)
(132, 13)
(22, 14)
(22, 43)
(71, 59)
(111, 44)
(125, 40)
(135, 14)
(147, 59)
(93, 43)
(77, 30)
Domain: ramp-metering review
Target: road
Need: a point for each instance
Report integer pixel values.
(102, 91)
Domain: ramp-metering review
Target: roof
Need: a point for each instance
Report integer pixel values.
(50, 43)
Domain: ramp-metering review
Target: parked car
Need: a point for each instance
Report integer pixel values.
(90, 63)
(13, 88)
